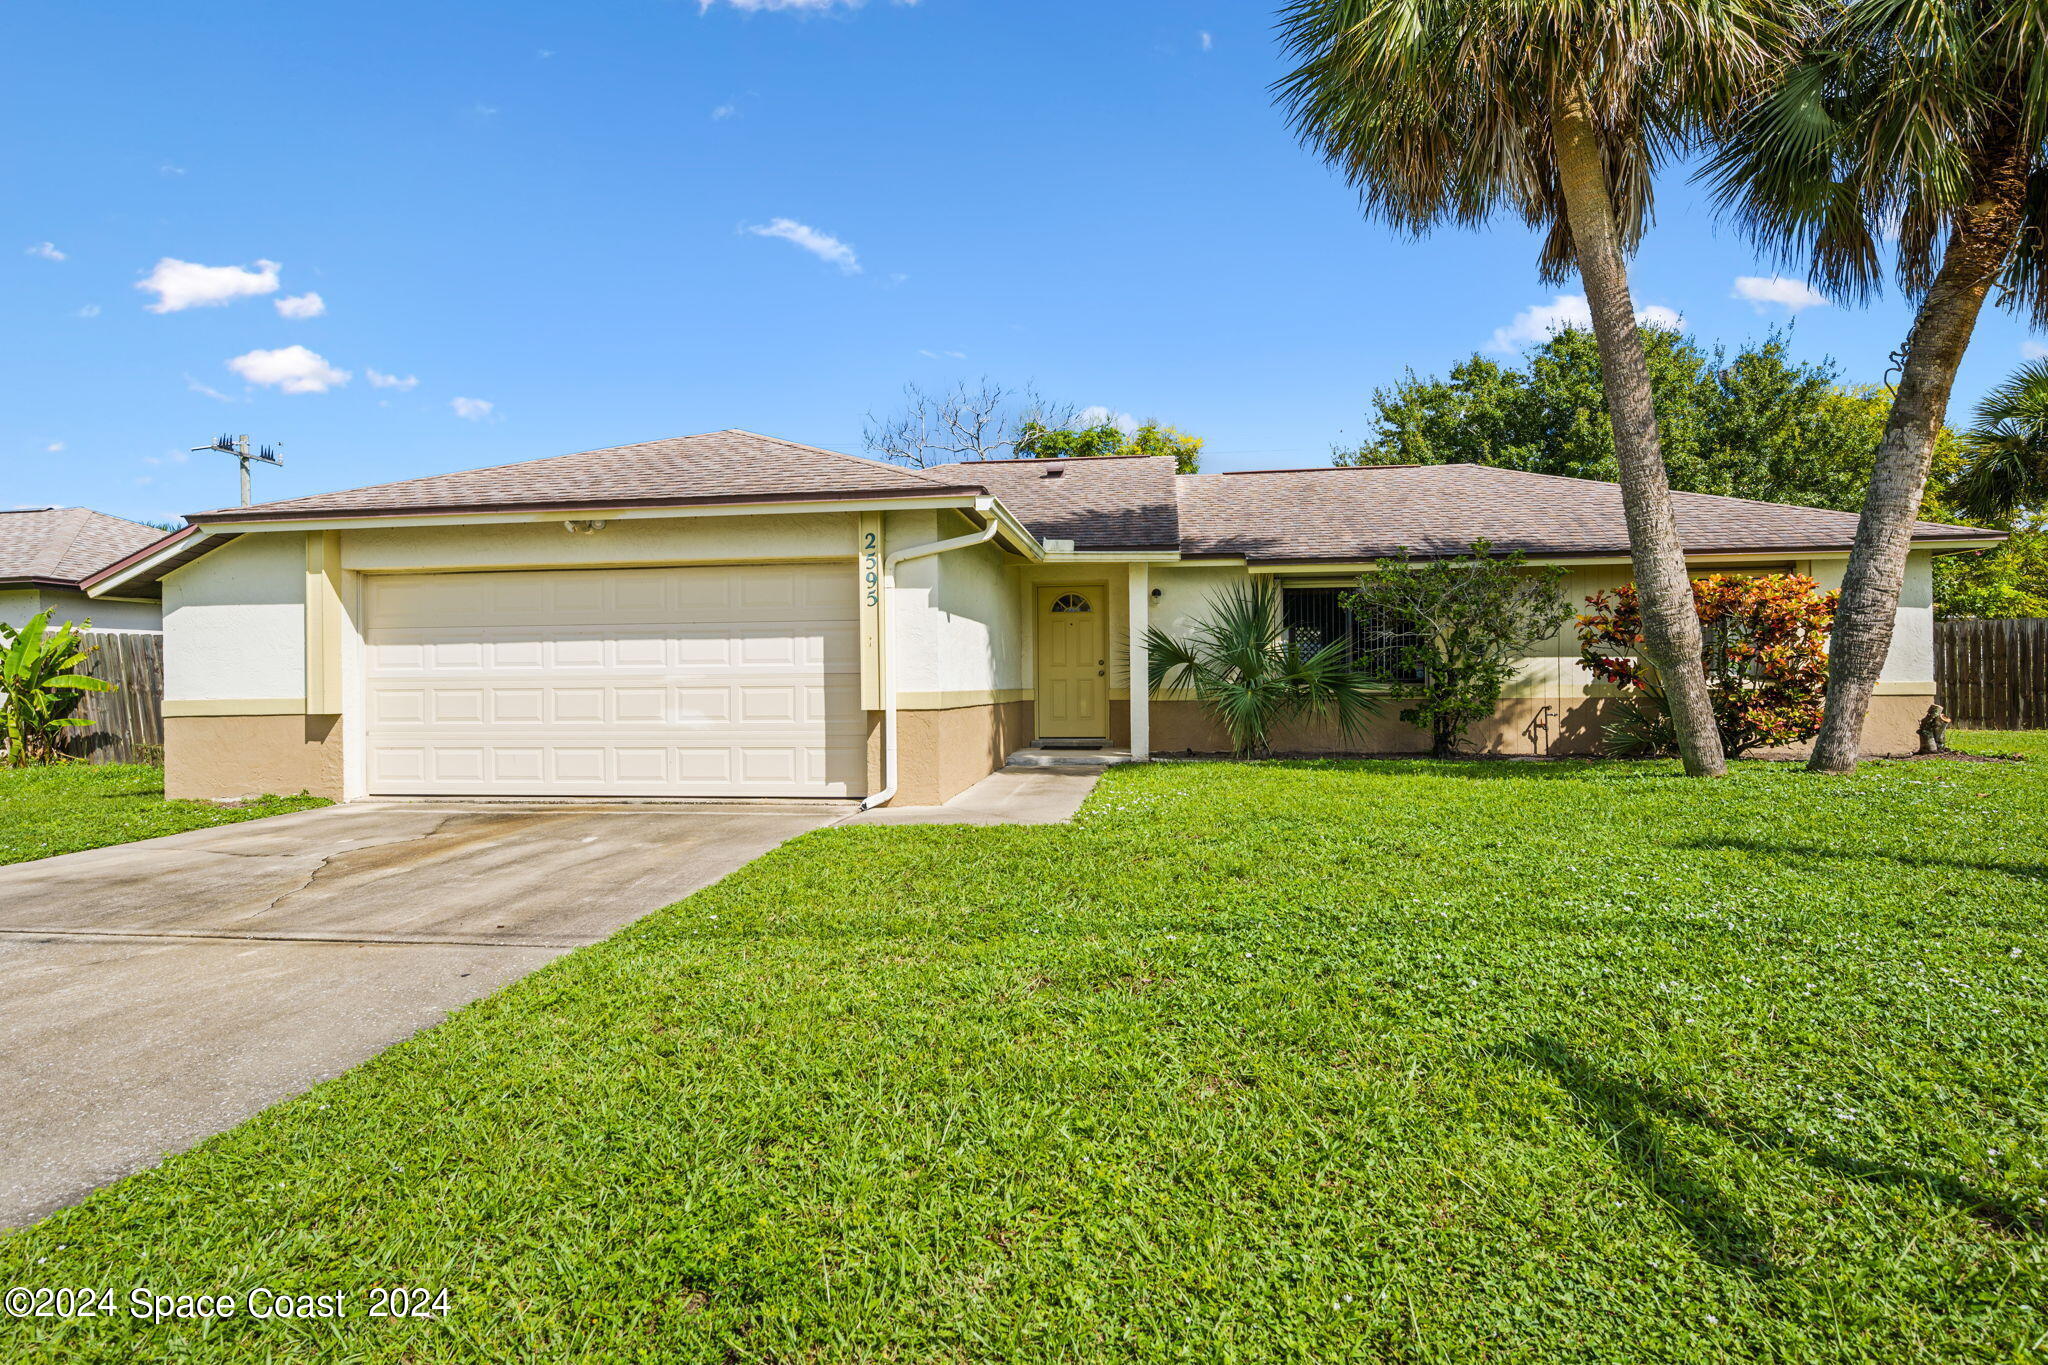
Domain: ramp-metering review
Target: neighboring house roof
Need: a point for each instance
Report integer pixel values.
(719, 466)
(1110, 503)
(1366, 512)
(61, 546)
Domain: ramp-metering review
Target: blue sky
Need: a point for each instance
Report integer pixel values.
(532, 228)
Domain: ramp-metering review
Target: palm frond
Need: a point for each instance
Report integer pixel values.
(1439, 111)
(1240, 663)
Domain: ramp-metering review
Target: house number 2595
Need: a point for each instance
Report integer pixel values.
(871, 568)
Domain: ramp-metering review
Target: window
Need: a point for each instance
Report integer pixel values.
(1316, 616)
(1072, 601)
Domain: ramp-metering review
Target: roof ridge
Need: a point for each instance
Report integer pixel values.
(580, 454)
(823, 450)
(480, 469)
(1053, 459)
(1313, 469)
(1687, 493)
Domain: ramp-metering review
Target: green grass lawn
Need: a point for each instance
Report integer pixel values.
(1316, 1061)
(66, 807)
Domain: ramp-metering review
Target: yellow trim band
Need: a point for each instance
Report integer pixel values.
(260, 706)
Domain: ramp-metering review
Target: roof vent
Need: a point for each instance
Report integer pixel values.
(1052, 473)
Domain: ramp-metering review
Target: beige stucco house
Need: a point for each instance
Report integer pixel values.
(730, 615)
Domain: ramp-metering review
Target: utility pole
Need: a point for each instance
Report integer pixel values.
(238, 446)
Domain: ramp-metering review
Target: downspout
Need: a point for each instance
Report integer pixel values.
(937, 547)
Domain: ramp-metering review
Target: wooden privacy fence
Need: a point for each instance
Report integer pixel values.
(127, 723)
(1993, 675)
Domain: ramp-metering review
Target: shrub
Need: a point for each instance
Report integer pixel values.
(1765, 657)
(1467, 623)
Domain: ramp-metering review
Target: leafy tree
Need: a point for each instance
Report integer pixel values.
(1914, 133)
(2011, 580)
(1241, 665)
(1044, 442)
(40, 686)
(1558, 111)
(1757, 425)
(1470, 622)
(1765, 660)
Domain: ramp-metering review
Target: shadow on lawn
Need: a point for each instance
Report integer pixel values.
(2032, 872)
(1630, 1117)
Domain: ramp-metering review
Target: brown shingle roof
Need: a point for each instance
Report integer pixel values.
(719, 466)
(61, 545)
(1115, 503)
(1368, 512)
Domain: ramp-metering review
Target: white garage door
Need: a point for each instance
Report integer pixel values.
(739, 680)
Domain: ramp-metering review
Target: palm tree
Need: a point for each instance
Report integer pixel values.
(1923, 122)
(1560, 111)
(2005, 468)
(1242, 663)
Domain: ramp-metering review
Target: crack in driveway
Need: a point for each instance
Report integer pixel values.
(328, 861)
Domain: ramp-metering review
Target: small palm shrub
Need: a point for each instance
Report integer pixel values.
(42, 687)
(1241, 665)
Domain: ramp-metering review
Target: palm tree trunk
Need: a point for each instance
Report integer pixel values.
(1862, 634)
(1671, 623)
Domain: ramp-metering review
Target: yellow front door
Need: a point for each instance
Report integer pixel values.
(1073, 664)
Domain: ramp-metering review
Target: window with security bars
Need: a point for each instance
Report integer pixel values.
(1316, 616)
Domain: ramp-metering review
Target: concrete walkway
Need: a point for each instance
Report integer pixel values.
(1011, 796)
(155, 993)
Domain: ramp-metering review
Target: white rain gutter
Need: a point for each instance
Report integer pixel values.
(888, 680)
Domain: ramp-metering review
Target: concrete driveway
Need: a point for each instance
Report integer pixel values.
(155, 993)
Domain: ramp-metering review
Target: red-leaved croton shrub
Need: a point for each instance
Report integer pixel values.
(1765, 655)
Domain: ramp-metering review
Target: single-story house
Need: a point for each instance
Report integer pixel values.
(730, 615)
(47, 552)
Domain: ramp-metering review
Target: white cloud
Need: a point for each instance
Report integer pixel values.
(471, 409)
(2033, 350)
(91, 310)
(942, 355)
(291, 369)
(724, 112)
(168, 457)
(181, 284)
(823, 245)
(168, 169)
(1793, 295)
(297, 306)
(545, 53)
(47, 250)
(209, 391)
(380, 380)
(1207, 39)
(1099, 415)
(54, 447)
(1542, 321)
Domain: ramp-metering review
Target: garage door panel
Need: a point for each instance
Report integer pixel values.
(732, 680)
